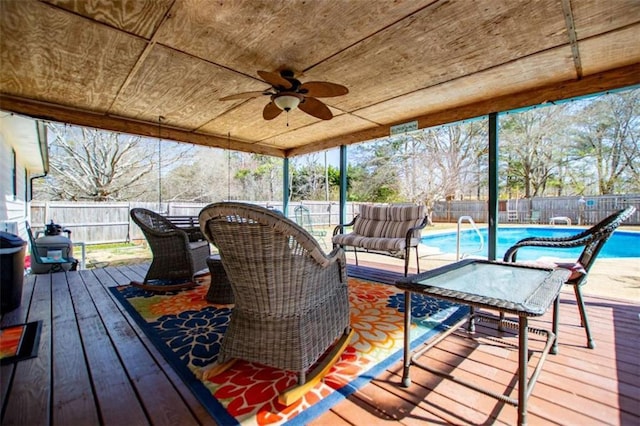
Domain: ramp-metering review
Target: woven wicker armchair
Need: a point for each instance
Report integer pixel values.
(176, 261)
(291, 299)
(593, 239)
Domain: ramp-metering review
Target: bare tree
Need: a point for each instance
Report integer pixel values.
(377, 166)
(202, 177)
(90, 164)
(259, 176)
(531, 141)
(449, 163)
(606, 132)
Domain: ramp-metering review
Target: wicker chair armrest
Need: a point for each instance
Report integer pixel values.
(175, 233)
(558, 240)
(339, 229)
(338, 256)
(579, 240)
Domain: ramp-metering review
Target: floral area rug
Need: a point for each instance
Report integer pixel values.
(188, 331)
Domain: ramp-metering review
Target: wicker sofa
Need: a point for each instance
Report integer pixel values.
(387, 229)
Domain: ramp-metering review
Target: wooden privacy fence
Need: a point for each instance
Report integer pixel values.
(580, 210)
(95, 223)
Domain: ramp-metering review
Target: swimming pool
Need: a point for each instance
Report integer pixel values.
(621, 244)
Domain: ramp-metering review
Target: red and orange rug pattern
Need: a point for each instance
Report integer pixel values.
(188, 330)
(19, 342)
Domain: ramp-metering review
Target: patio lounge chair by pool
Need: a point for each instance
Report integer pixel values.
(291, 299)
(303, 218)
(176, 259)
(593, 239)
(535, 217)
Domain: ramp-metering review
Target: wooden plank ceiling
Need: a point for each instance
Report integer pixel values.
(160, 66)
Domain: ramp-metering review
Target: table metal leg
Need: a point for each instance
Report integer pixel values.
(525, 386)
(406, 380)
(556, 314)
(523, 358)
(471, 326)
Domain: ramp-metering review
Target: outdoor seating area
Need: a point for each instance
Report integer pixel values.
(576, 386)
(244, 316)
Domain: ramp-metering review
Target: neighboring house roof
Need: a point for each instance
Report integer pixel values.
(28, 138)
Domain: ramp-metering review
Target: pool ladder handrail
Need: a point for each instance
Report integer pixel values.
(475, 228)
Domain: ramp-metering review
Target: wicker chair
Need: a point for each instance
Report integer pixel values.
(593, 239)
(291, 299)
(176, 260)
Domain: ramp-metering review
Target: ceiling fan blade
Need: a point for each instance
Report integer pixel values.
(245, 95)
(270, 111)
(275, 79)
(314, 107)
(322, 89)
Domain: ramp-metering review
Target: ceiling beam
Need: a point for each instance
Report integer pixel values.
(592, 84)
(573, 37)
(53, 112)
(596, 83)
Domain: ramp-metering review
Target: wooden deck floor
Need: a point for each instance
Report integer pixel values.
(95, 366)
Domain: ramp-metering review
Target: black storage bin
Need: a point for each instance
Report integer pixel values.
(12, 251)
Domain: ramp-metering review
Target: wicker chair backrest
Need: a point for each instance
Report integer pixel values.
(266, 257)
(151, 220)
(600, 233)
(239, 213)
(592, 239)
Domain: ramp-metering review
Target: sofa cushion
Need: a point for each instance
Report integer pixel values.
(383, 228)
(388, 221)
(371, 221)
(370, 243)
(576, 268)
(402, 218)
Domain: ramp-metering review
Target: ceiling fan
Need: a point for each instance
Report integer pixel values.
(288, 93)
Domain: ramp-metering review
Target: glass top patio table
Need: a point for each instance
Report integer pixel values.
(507, 287)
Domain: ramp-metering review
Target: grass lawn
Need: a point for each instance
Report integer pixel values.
(116, 254)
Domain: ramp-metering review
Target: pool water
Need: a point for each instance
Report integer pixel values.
(621, 243)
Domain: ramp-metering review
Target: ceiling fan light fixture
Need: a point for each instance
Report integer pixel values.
(287, 102)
